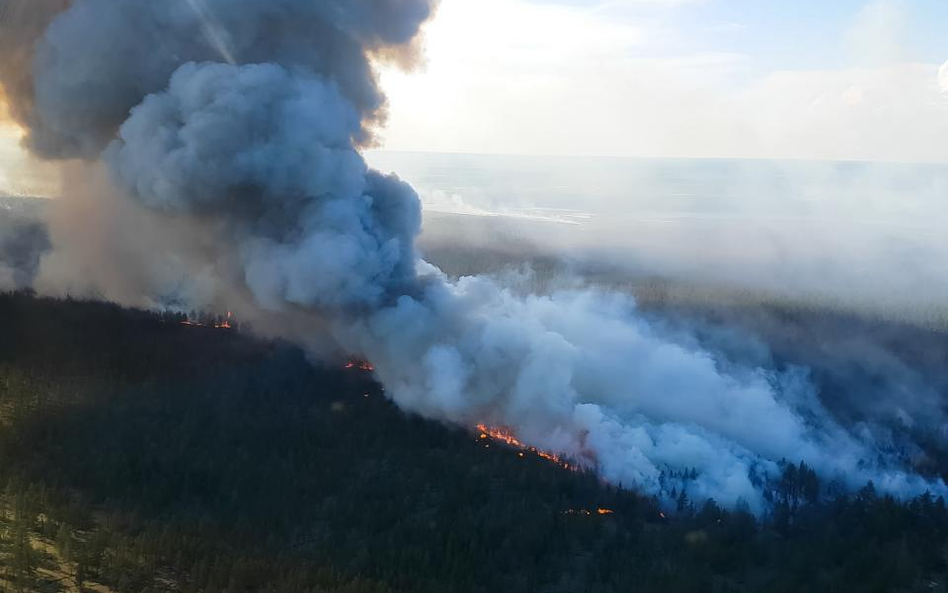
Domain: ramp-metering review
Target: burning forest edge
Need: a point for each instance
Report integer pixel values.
(263, 442)
(506, 437)
(676, 484)
(227, 171)
(218, 146)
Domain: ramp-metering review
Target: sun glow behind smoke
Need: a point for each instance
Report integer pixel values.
(10, 135)
(9, 129)
(20, 172)
(641, 79)
(9, 146)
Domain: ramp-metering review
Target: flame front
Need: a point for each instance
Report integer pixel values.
(587, 513)
(225, 323)
(507, 437)
(361, 365)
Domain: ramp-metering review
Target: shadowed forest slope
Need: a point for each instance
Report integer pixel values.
(140, 454)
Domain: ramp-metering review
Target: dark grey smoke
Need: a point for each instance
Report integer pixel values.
(97, 60)
(23, 242)
(236, 125)
(265, 146)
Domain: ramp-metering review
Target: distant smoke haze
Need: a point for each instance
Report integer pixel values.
(235, 178)
(24, 240)
(860, 236)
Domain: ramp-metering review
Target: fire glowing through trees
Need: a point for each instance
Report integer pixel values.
(492, 434)
(359, 365)
(220, 323)
(505, 436)
(586, 513)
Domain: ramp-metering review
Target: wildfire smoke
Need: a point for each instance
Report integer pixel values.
(232, 136)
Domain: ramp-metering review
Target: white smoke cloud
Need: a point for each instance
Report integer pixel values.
(242, 183)
(580, 372)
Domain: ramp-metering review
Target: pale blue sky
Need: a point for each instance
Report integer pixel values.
(792, 34)
(780, 33)
(800, 79)
(811, 79)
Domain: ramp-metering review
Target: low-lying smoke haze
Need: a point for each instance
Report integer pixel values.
(854, 235)
(222, 146)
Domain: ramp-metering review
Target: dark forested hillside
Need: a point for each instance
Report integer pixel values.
(139, 454)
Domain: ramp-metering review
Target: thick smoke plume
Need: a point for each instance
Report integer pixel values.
(231, 132)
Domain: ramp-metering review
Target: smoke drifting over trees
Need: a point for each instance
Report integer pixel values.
(24, 240)
(231, 133)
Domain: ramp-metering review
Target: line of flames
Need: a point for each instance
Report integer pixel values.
(509, 439)
(506, 437)
(360, 365)
(223, 324)
(584, 512)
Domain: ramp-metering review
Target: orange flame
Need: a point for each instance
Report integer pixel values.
(223, 324)
(361, 365)
(509, 439)
(587, 513)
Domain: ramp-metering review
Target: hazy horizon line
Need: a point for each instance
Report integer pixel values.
(655, 158)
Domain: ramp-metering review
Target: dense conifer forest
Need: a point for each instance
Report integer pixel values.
(138, 454)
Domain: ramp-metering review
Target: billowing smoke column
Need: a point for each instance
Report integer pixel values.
(266, 148)
(243, 118)
(269, 154)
